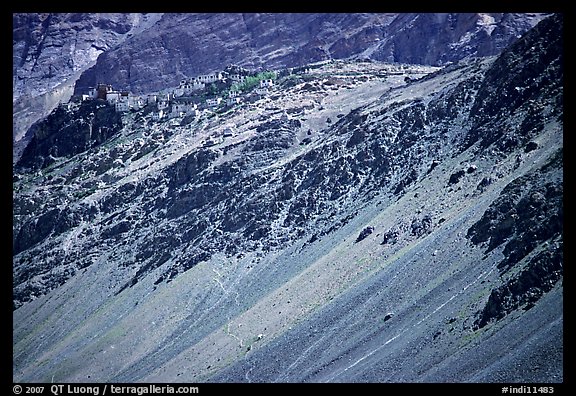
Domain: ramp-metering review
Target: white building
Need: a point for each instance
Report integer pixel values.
(209, 78)
(113, 97)
(157, 116)
(197, 85)
(237, 78)
(122, 105)
(266, 83)
(181, 109)
(187, 87)
(162, 104)
(213, 102)
(92, 93)
(121, 100)
(136, 102)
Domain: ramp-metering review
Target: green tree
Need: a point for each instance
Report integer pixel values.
(211, 90)
(251, 82)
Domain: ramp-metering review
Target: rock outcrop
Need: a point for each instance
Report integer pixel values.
(65, 133)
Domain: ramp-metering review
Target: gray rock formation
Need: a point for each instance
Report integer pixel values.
(65, 133)
(158, 253)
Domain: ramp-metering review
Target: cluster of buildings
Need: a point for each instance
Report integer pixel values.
(189, 98)
(188, 87)
(122, 100)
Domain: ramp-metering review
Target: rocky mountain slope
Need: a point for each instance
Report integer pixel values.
(363, 222)
(56, 54)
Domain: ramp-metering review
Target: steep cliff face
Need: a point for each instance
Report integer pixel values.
(51, 50)
(65, 133)
(186, 45)
(435, 39)
(363, 222)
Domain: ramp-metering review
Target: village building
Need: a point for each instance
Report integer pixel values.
(237, 78)
(66, 106)
(233, 98)
(158, 115)
(209, 78)
(112, 97)
(233, 101)
(184, 100)
(162, 104)
(228, 132)
(187, 87)
(195, 113)
(213, 140)
(151, 99)
(262, 89)
(213, 102)
(122, 106)
(102, 91)
(267, 83)
(136, 102)
(236, 73)
(180, 109)
(197, 85)
(92, 94)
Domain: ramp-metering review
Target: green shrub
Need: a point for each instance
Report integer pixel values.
(251, 82)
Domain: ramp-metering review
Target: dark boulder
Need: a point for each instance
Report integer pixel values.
(455, 177)
(364, 233)
(524, 290)
(422, 226)
(531, 146)
(390, 237)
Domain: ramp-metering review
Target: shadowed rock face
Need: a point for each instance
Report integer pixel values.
(66, 133)
(538, 60)
(397, 244)
(524, 290)
(528, 219)
(436, 39)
